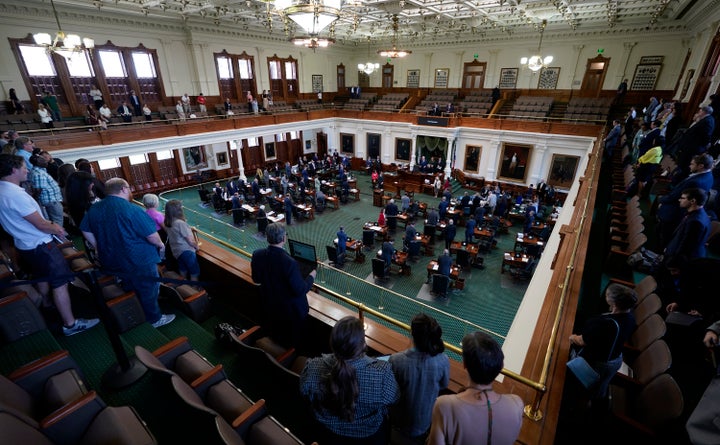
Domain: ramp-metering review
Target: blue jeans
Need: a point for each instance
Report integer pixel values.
(188, 263)
(144, 281)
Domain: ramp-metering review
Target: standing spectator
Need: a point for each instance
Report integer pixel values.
(53, 164)
(603, 337)
(98, 185)
(151, 203)
(265, 100)
(79, 195)
(96, 96)
(185, 101)
(135, 102)
(17, 106)
(495, 94)
(44, 115)
(228, 107)
(612, 139)
(202, 103)
(283, 288)
(478, 415)
(51, 102)
(22, 219)
(180, 110)
(622, 90)
(124, 112)
(24, 147)
(128, 245)
(350, 393)
(702, 426)
(688, 240)
(49, 193)
(695, 140)
(421, 372)
(249, 98)
(182, 242)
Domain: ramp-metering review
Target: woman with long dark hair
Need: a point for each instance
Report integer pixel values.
(421, 371)
(350, 392)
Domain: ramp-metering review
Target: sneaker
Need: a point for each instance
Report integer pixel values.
(164, 319)
(81, 324)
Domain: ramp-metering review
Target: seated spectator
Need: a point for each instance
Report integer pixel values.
(478, 415)
(421, 372)
(147, 112)
(125, 112)
(105, 112)
(350, 393)
(602, 337)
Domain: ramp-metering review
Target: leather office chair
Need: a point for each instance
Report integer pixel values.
(440, 285)
(463, 259)
(368, 238)
(378, 268)
(414, 250)
(335, 259)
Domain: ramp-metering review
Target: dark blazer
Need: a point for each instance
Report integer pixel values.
(444, 264)
(283, 287)
(450, 232)
(688, 241)
(670, 210)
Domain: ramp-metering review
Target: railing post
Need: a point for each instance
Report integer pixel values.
(533, 411)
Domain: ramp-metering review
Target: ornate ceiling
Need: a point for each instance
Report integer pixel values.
(421, 22)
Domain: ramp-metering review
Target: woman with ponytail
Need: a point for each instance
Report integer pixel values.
(350, 393)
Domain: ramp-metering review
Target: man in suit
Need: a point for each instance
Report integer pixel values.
(124, 112)
(652, 139)
(288, 209)
(444, 263)
(341, 246)
(284, 289)
(232, 187)
(669, 212)
(695, 140)
(611, 140)
(388, 255)
(688, 240)
(450, 232)
(135, 102)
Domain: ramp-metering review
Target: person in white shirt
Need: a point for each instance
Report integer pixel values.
(105, 111)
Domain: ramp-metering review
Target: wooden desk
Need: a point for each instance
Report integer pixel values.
(513, 260)
(354, 245)
(483, 233)
(472, 249)
(305, 209)
(400, 260)
(425, 242)
(334, 201)
(528, 241)
(379, 230)
(356, 193)
(432, 268)
(273, 217)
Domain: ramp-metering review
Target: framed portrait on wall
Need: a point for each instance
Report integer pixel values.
(562, 170)
(373, 145)
(508, 78)
(413, 78)
(441, 77)
(347, 143)
(222, 159)
(514, 161)
(645, 77)
(402, 149)
(317, 83)
(195, 157)
(548, 78)
(270, 151)
(472, 158)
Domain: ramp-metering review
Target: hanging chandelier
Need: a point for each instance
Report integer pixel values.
(312, 42)
(311, 15)
(394, 52)
(537, 62)
(63, 43)
(368, 67)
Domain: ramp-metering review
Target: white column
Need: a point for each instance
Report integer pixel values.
(448, 156)
(237, 145)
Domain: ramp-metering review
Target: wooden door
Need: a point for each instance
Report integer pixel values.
(702, 84)
(387, 75)
(474, 75)
(595, 72)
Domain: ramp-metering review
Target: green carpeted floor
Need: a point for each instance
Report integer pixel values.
(489, 300)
